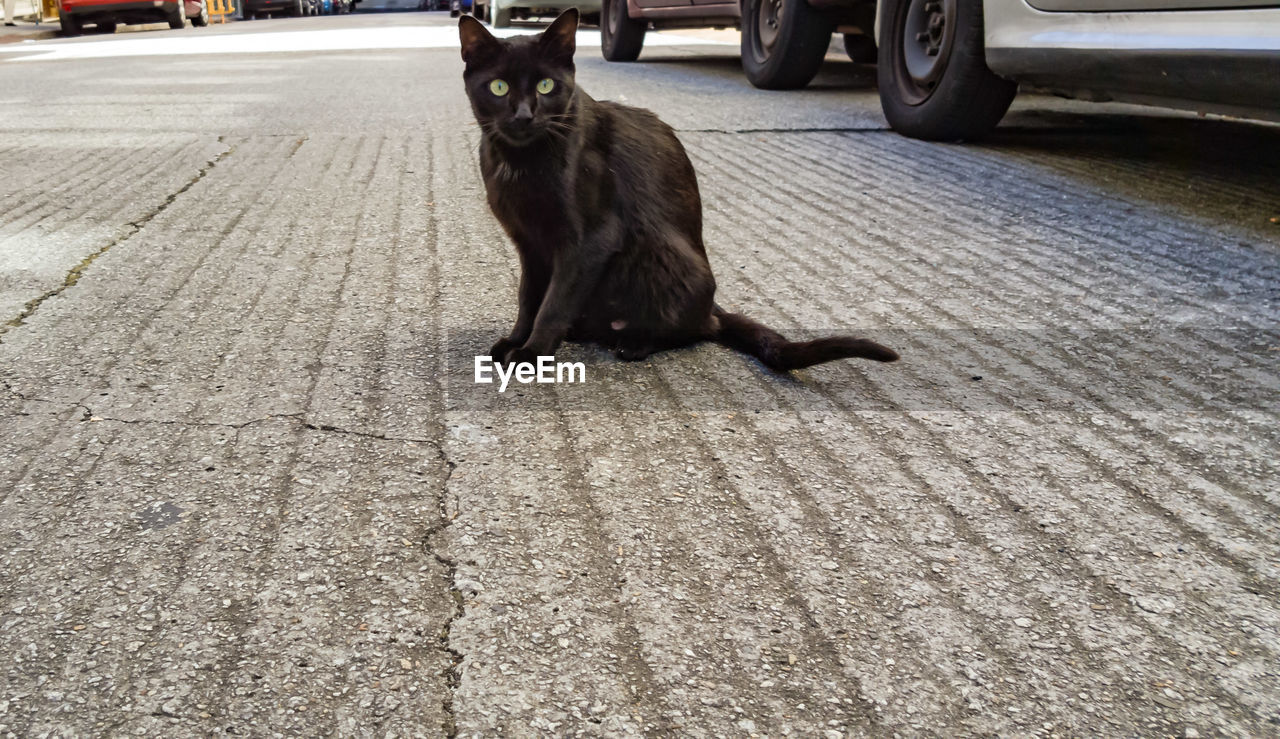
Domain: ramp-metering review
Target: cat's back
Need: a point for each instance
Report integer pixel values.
(643, 152)
(639, 133)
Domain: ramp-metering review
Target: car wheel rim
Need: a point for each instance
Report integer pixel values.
(615, 16)
(767, 22)
(927, 35)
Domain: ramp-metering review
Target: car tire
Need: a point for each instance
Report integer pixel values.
(783, 43)
(860, 47)
(501, 17)
(70, 25)
(298, 10)
(202, 20)
(178, 18)
(621, 36)
(932, 71)
(106, 27)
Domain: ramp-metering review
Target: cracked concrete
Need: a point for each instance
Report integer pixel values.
(44, 215)
(434, 540)
(248, 487)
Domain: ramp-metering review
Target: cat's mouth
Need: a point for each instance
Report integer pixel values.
(521, 135)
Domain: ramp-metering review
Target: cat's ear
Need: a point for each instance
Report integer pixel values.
(477, 42)
(557, 41)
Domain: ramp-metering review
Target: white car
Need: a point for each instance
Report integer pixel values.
(948, 69)
(500, 12)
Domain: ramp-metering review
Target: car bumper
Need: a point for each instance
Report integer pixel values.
(1212, 60)
(82, 7)
(584, 6)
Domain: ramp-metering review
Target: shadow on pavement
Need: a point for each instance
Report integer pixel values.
(1227, 167)
(834, 76)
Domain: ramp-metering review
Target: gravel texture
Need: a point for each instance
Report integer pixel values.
(248, 487)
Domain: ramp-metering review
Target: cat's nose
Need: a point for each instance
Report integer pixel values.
(524, 114)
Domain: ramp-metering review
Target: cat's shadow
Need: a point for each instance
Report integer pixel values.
(697, 373)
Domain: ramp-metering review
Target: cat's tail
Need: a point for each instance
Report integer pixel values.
(750, 337)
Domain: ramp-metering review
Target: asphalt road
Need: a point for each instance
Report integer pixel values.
(249, 487)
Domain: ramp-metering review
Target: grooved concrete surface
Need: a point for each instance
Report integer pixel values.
(250, 488)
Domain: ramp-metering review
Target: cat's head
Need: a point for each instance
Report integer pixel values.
(520, 87)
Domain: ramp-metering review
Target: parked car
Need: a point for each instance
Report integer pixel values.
(458, 7)
(74, 15)
(499, 13)
(945, 73)
(261, 8)
(948, 69)
(783, 41)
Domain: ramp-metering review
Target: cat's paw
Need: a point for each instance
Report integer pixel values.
(633, 353)
(499, 350)
(521, 354)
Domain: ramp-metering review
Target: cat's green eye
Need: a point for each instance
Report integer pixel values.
(499, 87)
(546, 85)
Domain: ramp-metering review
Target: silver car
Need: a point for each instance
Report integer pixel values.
(500, 13)
(948, 69)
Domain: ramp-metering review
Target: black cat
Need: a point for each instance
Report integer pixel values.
(602, 204)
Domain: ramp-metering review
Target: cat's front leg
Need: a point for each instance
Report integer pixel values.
(575, 272)
(533, 288)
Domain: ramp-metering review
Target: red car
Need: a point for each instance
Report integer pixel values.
(107, 14)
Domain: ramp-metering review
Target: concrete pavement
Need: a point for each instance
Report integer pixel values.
(25, 31)
(249, 486)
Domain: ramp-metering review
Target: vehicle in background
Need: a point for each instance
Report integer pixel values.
(324, 7)
(254, 9)
(783, 41)
(341, 6)
(500, 13)
(106, 15)
(458, 7)
(949, 69)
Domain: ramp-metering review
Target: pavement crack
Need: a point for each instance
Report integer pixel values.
(366, 434)
(18, 394)
(11, 390)
(133, 227)
(89, 415)
(435, 547)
